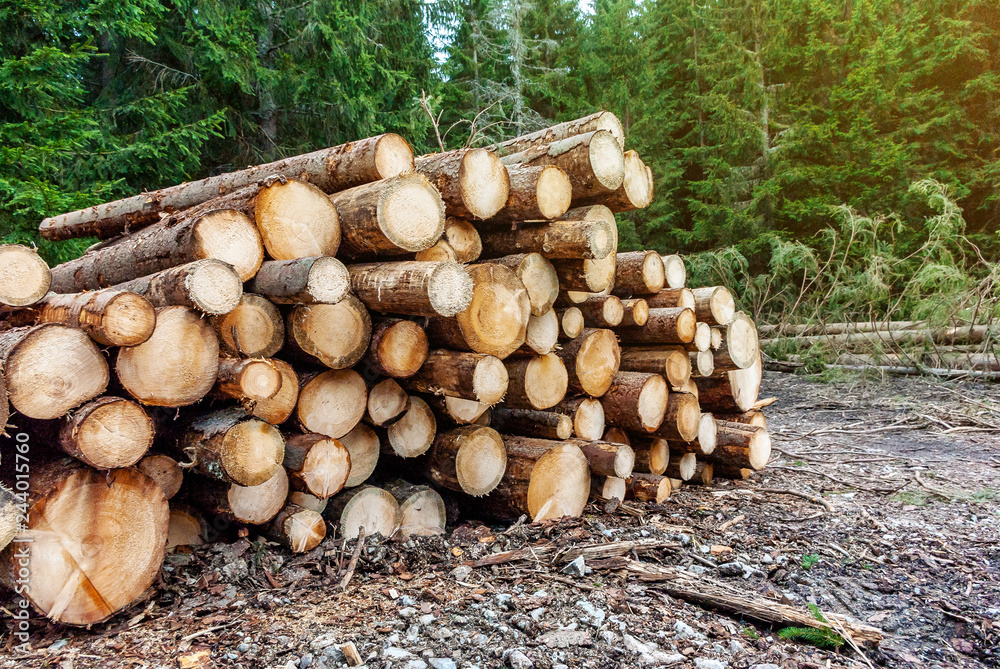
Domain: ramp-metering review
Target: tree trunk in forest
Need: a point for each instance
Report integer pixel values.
(739, 347)
(363, 446)
(587, 414)
(413, 433)
(682, 418)
(542, 333)
(463, 239)
(543, 482)
(571, 323)
(652, 455)
(532, 423)
(672, 298)
(601, 311)
(635, 312)
(648, 488)
(741, 445)
(592, 276)
(731, 392)
(252, 505)
(165, 471)
(674, 271)
(714, 305)
(387, 401)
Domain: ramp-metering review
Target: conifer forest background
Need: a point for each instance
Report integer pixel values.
(834, 159)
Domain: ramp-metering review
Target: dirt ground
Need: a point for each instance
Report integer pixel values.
(910, 471)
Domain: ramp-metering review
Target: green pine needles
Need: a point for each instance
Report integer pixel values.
(819, 637)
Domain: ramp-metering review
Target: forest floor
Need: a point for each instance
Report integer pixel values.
(909, 468)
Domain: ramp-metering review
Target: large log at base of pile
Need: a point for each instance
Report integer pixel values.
(739, 347)
(248, 379)
(107, 433)
(230, 445)
(638, 273)
(392, 217)
(398, 348)
(652, 454)
(544, 482)
(542, 333)
(362, 445)
(210, 286)
(473, 182)
(648, 488)
(682, 419)
(316, 464)
(665, 326)
(587, 414)
(636, 191)
(671, 361)
(165, 471)
(223, 234)
(251, 505)
(589, 276)
(714, 305)
(636, 401)
(602, 120)
(532, 423)
(605, 458)
(669, 298)
(706, 441)
(94, 542)
(365, 509)
(470, 376)
(336, 335)
(50, 369)
(538, 276)
(254, 329)
(594, 161)
(422, 511)
(109, 317)
(415, 288)
(331, 403)
(413, 433)
(542, 192)
(24, 276)
(496, 320)
(592, 361)
(470, 459)
(538, 382)
(177, 365)
(731, 392)
(277, 409)
(582, 239)
(741, 445)
(333, 169)
(317, 279)
(298, 529)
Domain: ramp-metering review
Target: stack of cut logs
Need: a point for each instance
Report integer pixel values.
(283, 336)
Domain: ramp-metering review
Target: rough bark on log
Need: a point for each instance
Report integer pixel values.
(398, 348)
(470, 376)
(636, 191)
(297, 528)
(50, 369)
(337, 335)
(541, 192)
(422, 512)
(704, 473)
(601, 311)
(473, 182)
(665, 326)
(682, 418)
(109, 317)
(731, 392)
(470, 459)
(636, 401)
(606, 458)
(538, 382)
(107, 433)
(545, 483)
(332, 403)
(416, 288)
(607, 488)
(594, 161)
(682, 467)
(566, 239)
(210, 286)
(648, 488)
(638, 273)
(706, 441)
(316, 464)
(538, 276)
(635, 312)
(591, 360)
(602, 120)
(24, 276)
(740, 445)
(318, 279)
(752, 417)
(740, 346)
(362, 445)
(231, 445)
(670, 298)
(365, 509)
(714, 305)
(593, 276)
(671, 361)
(253, 505)
(532, 423)
(674, 271)
(254, 329)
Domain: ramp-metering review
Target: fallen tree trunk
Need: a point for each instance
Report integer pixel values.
(473, 182)
(210, 286)
(806, 329)
(230, 445)
(598, 121)
(316, 464)
(704, 362)
(638, 273)
(336, 335)
(538, 382)
(565, 239)
(318, 279)
(470, 459)
(739, 347)
(591, 361)
(636, 401)
(414, 288)
(636, 191)
(682, 466)
(542, 192)
(107, 433)
(571, 323)
(254, 329)
(607, 488)
(471, 376)
(25, 277)
(398, 348)
(966, 334)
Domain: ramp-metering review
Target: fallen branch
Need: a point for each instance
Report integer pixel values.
(812, 498)
(570, 553)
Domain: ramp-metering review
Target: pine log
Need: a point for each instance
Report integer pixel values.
(473, 182)
(601, 311)
(210, 286)
(675, 484)
(592, 361)
(532, 423)
(704, 473)
(714, 305)
(50, 369)
(362, 445)
(682, 419)
(223, 234)
(638, 273)
(703, 362)
(740, 346)
(333, 169)
(298, 529)
(107, 433)
(252, 505)
(337, 335)
(542, 333)
(538, 276)
(587, 414)
(540, 192)
(671, 361)
(277, 409)
(702, 338)
(365, 509)
(706, 441)
(665, 326)
(413, 287)
(606, 458)
(496, 320)
(752, 417)
(602, 120)
(248, 380)
(317, 279)
(544, 482)
(295, 219)
(591, 276)
(109, 317)
(648, 488)
(716, 339)
(635, 311)
(670, 298)
(740, 445)
(565, 239)
(470, 376)
(682, 466)
(396, 216)
(636, 191)
(652, 455)
(398, 348)
(165, 471)
(332, 403)
(731, 392)
(422, 512)
(674, 271)
(616, 435)
(316, 464)
(537, 382)
(93, 543)
(413, 433)
(459, 411)
(231, 445)
(24, 277)
(463, 238)
(636, 401)
(607, 488)
(254, 329)
(470, 459)
(594, 161)
(387, 401)
(571, 323)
